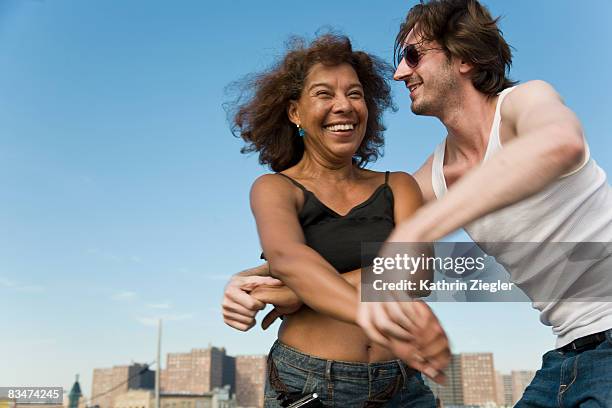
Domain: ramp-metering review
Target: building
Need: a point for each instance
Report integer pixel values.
(108, 383)
(228, 376)
(470, 381)
(218, 398)
(520, 380)
(503, 389)
(250, 380)
(135, 399)
(452, 392)
(478, 378)
(196, 372)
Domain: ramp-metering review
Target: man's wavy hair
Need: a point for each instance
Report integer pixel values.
(466, 30)
(259, 114)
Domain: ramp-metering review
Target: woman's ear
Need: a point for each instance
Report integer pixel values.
(292, 113)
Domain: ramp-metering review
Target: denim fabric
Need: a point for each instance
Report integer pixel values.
(346, 384)
(573, 379)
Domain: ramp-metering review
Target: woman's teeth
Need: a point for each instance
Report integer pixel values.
(336, 128)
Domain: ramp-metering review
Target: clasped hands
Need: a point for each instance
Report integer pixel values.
(409, 329)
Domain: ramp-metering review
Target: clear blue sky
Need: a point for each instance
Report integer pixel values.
(124, 195)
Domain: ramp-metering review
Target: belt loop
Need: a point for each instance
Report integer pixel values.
(403, 370)
(328, 377)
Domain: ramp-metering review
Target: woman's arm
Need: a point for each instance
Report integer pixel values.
(301, 268)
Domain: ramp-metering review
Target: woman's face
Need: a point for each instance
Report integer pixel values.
(332, 111)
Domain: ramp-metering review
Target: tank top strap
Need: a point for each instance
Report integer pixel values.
(387, 177)
(300, 186)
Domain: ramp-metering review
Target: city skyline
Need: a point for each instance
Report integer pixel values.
(125, 197)
(472, 379)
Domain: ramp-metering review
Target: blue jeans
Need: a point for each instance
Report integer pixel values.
(573, 379)
(344, 384)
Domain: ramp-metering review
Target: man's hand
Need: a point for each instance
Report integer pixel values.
(411, 331)
(285, 302)
(238, 305)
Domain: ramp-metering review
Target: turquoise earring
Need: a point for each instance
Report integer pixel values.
(301, 131)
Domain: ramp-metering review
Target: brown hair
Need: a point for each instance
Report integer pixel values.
(466, 30)
(262, 119)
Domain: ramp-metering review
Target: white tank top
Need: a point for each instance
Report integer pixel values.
(575, 208)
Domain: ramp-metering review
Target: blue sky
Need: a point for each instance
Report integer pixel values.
(124, 195)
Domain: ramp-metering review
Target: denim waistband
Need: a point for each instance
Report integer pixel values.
(339, 369)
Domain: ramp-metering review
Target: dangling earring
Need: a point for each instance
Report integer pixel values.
(301, 131)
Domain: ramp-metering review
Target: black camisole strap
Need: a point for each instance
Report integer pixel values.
(387, 177)
(301, 187)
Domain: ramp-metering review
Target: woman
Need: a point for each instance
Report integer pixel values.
(316, 120)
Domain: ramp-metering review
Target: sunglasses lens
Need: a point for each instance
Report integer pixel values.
(411, 56)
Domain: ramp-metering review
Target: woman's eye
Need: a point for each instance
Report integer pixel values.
(323, 93)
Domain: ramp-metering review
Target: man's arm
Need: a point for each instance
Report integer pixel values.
(261, 270)
(409, 329)
(548, 144)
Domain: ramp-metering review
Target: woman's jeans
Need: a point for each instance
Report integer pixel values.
(343, 384)
(580, 378)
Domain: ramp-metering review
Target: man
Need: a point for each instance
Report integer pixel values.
(514, 167)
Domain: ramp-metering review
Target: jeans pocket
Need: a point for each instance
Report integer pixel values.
(420, 383)
(290, 379)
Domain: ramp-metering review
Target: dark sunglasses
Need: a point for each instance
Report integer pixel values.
(412, 55)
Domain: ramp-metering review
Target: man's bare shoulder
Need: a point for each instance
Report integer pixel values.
(527, 95)
(423, 178)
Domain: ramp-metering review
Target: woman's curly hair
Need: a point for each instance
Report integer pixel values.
(259, 114)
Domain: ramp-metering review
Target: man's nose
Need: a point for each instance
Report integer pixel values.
(403, 71)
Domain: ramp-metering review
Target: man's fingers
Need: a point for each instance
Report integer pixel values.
(238, 318)
(399, 316)
(251, 282)
(441, 360)
(270, 318)
(407, 351)
(364, 320)
(436, 347)
(243, 299)
(233, 307)
(385, 323)
(238, 325)
(423, 315)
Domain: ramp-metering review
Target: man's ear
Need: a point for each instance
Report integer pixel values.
(292, 113)
(465, 67)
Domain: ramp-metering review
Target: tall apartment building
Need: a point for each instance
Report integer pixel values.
(478, 378)
(470, 380)
(503, 388)
(452, 392)
(520, 381)
(250, 381)
(196, 372)
(228, 376)
(108, 383)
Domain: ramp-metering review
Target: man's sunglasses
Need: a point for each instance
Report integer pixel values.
(412, 55)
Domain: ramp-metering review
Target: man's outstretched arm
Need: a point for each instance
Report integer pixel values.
(547, 144)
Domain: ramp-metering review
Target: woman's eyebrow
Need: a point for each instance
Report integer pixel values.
(353, 85)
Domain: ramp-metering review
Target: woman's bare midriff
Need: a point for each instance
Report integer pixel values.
(321, 336)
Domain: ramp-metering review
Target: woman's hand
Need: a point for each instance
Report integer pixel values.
(284, 299)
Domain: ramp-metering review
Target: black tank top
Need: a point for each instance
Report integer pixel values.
(338, 238)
